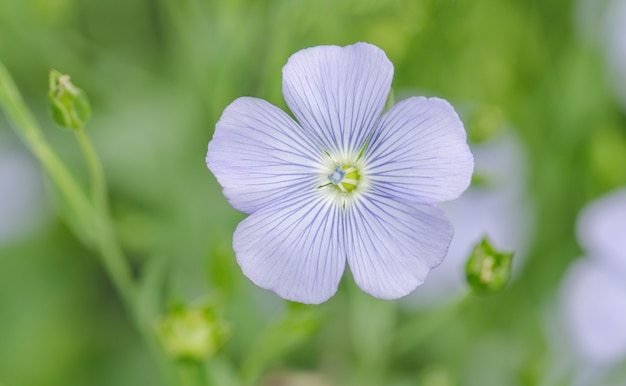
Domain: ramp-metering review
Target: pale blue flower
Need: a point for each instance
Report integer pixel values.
(343, 183)
(594, 288)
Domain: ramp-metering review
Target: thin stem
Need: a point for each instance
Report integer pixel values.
(116, 265)
(96, 172)
(108, 245)
(93, 218)
(371, 324)
(191, 373)
(412, 333)
(26, 126)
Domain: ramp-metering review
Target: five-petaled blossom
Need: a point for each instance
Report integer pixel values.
(343, 182)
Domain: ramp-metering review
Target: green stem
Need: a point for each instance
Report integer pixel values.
(108, 245)
(413, 332)
(191, 373)
(371, 323)
(111, 251)
(94, 219)
(117, 267)
(26, 126)
(96, 171)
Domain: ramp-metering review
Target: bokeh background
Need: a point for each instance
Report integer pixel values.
(542, 77)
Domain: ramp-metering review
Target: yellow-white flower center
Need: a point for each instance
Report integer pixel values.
(345, 178)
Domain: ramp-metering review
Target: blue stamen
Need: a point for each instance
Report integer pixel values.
(337, 175)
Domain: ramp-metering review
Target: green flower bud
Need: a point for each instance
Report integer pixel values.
(69, 106)
(192, 333)
(487, 270)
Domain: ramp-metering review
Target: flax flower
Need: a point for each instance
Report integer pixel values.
(594, 288)
(343, 182)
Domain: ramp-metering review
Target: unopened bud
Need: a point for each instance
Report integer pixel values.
(69, 105)
(192, 333)
(488, 270)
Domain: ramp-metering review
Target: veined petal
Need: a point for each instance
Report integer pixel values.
(419, 152)
(394, 245)
(260, 155)
(338, 93)
(294, 248)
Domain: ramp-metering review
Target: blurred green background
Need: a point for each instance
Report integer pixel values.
(160, 72)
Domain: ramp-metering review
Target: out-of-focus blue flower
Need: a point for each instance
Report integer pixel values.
(594, 289)
(616, 45)
(603, 22)
(342, 183)
(22, 205)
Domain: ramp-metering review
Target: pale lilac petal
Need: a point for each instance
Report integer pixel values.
(594, 299)
(338, 93)
(393, 245)
(419, 152)
(260, 155)
(602, 229)
(294, 248)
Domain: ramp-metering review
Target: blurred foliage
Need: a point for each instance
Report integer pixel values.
(160, 72)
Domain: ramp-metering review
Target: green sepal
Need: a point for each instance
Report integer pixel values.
(192, 332)
(487, 270)
(69, 106)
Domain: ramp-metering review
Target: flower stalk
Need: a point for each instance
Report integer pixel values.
(92, 220)
(26, 126)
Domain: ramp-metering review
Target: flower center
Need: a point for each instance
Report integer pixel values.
(344, 178)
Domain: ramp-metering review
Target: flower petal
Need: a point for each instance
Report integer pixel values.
(601, 228)
(294, 248)
(595, 310)
(260, 155)
(419, 152)
(338, 93)
(393, 245)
